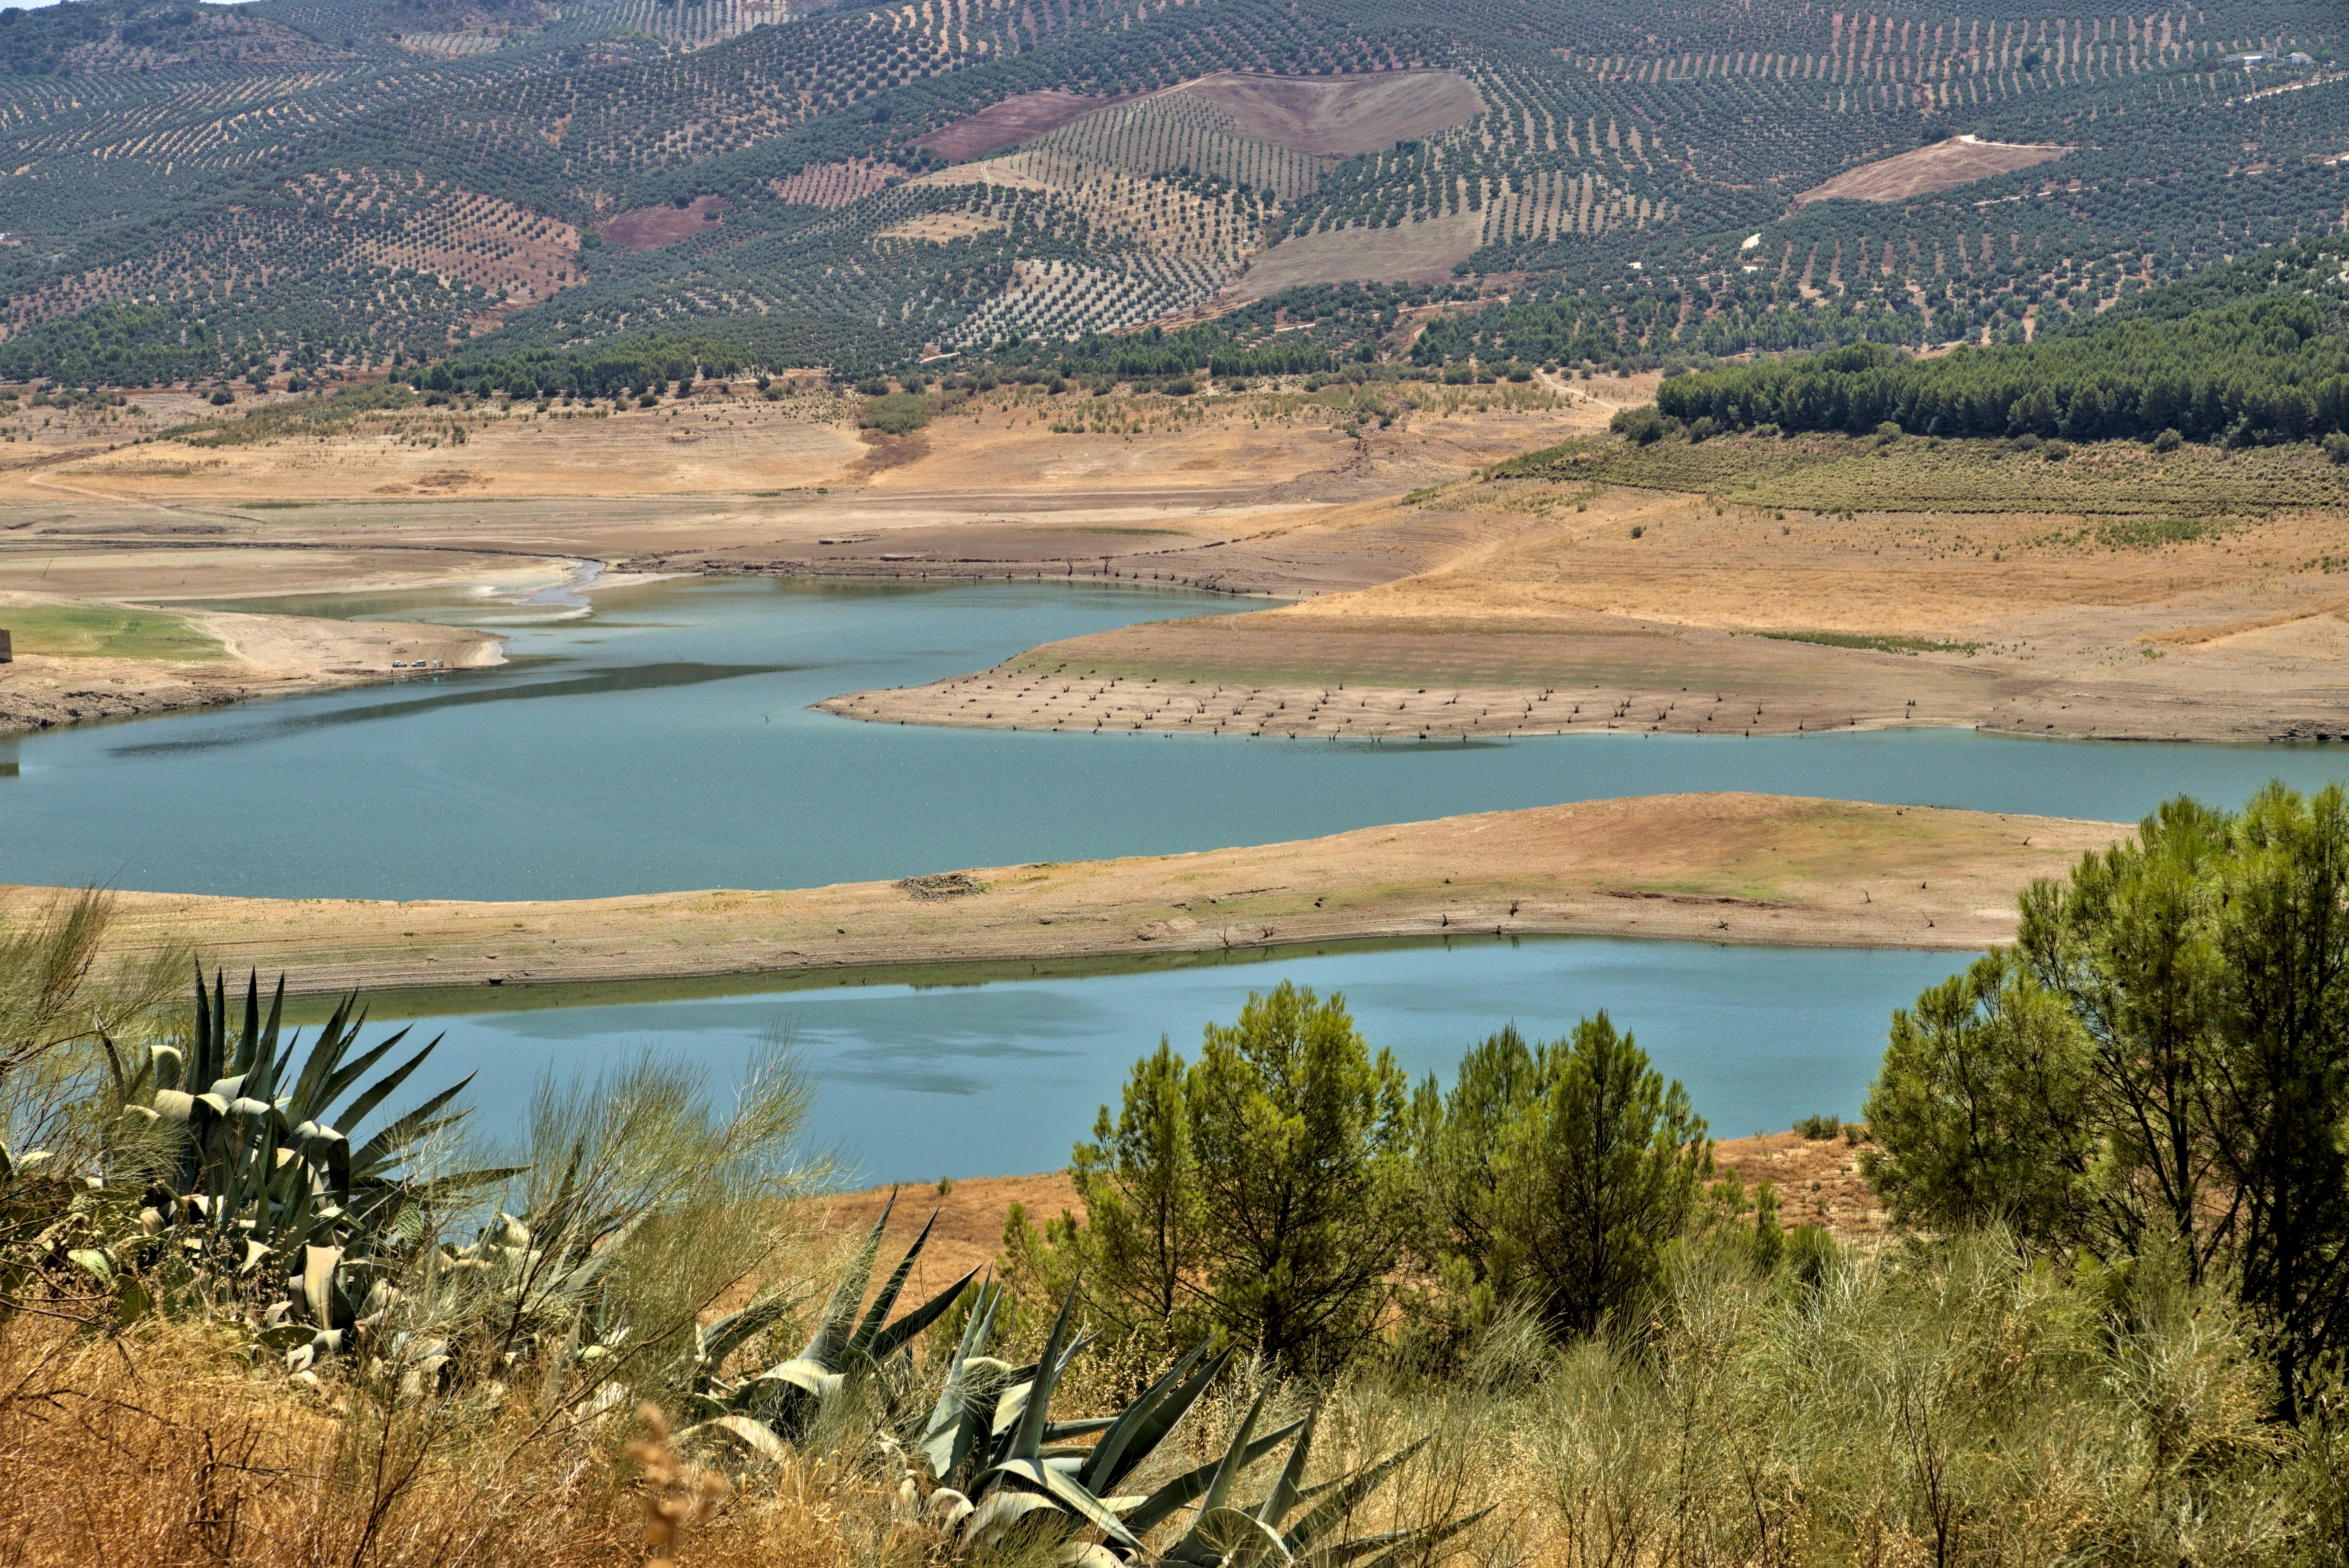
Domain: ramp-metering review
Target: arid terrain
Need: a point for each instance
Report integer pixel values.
(1979, 598)
(1714, 868)
(1743, 586)
(1944, 165)
(78, 659)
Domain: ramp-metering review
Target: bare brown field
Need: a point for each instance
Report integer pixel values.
(1961, 160)
(1244, 495)
(1423, 250)
(1719, 868)
(649, 228)
(1340, 116)
(1012, 121)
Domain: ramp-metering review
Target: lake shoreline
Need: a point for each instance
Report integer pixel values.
(257, 656)
(1733, 868)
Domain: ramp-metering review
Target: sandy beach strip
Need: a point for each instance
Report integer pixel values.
(1742, 868)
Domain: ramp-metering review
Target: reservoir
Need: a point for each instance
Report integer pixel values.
(664, 741)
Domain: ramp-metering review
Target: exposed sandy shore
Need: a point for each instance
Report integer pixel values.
(1718, 868)
(260, 656)
(1549, 609)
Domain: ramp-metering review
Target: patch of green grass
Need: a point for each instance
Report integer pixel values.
(1874, 644)
(87, 631)
(1824, 473)
(2151, 533)
(309, 416)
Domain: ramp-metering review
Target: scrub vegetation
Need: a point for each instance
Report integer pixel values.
(253, 1306)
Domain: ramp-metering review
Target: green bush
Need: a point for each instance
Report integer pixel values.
(2337, 447)
(2155, 1069)
(895, 414)
(2168, 441)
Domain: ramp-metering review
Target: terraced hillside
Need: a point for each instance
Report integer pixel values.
(335, 187)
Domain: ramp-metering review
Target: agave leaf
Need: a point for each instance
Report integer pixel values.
(1057, 1431)
(1065, 1489)
(755, 1436)
(394, 1139)
(1335, 1503)
(902, 1332)
(326, 1053)
(867, 1331)
(376, 1093)
(1187, 1487)
(1197, 1545)
(722, 1338)
(318, 1293)
(1230, 1538)
(833, 1329)
(1144, 1424)
(1028, 1441)
(1416, 1544)
(1288, 1490)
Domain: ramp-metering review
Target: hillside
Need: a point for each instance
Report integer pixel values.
(336, 188)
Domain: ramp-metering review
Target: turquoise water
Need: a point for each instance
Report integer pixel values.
(665, 742)
(997, 1079)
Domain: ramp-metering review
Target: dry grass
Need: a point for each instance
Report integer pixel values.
(1956, 1407)
(167, 1447)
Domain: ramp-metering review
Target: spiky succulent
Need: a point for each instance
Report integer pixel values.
(992, 1465)
(246, 1144)
(850, 1354)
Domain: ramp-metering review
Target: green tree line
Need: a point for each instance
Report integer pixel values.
(2154, 1078)
(2264, 371)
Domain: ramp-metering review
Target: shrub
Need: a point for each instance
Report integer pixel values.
(1643, 426)
(1888, 432)
(1819, 1128)
(222, 397)
(2168, 441)
(2337, 447)
(2055, 451)
(894, 414)
(872, 386)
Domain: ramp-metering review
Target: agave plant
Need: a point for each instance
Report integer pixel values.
(990, 1464)
(255, 1176)
(849, 1353)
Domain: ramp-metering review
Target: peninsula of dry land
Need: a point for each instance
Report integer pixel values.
(1718, 868)
(1751, 585)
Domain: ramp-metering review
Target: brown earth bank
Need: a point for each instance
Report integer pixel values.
(1945, 165)
(249, 656)
(1818, 1182)
(648, 228)
(1012, 121)
(1718, 868)
(1227, 493)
